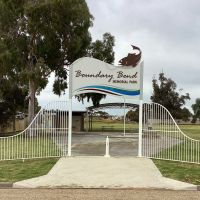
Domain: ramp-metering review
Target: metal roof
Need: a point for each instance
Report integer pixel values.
(112, 106)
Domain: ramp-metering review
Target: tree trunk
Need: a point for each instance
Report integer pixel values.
(31, 105)
(14, 129)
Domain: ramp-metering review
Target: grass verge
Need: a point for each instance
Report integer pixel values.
(186, 151)
(12, 171)
(27, 147)
(185, 172)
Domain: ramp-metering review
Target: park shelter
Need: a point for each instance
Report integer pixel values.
(59, 118)
(92, 109)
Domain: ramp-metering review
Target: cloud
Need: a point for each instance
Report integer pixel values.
(168, 32)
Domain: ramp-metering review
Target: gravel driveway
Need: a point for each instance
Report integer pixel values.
(96, 194)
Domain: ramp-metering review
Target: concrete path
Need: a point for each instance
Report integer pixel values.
(100, 172)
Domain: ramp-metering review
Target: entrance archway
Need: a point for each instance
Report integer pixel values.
(49, 133)
(107, 120)
(89, 75)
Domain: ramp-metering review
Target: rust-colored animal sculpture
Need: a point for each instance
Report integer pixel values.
(132, 59)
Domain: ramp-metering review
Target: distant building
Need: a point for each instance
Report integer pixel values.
(78, 120)
(56, 119)
(59, 119)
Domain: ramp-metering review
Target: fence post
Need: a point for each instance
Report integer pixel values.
(140, 129)
(70, 127)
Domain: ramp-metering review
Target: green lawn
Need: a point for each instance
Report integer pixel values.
(184, 152)
(12, 171)
(182, 171)
(192, 131)
(179, 171)
(27, 147)
(117, 125)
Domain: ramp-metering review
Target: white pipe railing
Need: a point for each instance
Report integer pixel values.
(163, 139)
(46, 136)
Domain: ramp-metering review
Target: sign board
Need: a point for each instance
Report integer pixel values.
(91, 75)
(88, 75)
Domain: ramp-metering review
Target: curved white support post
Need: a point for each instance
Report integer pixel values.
(140, 130)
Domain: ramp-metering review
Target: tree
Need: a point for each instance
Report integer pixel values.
(12, 99)
(12, 95)
(39, 37)
(164, 93)
(133, 115)
(5, 113)
(185, 114)
(102, 114)
(102, 50)
(196, 109)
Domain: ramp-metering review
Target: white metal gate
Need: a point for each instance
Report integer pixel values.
(46, 136)
(163, 139)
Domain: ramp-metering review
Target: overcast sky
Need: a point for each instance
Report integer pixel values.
(168, 33)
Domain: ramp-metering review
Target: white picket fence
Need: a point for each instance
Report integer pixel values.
(46, 136)
(163, 139)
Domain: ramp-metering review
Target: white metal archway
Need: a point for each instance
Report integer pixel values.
(92, 75)
(50, 133)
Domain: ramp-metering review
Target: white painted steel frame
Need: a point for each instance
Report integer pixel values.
(70, 111)
(163, 139)
(124, 116)
(46, 136)
(140, 108)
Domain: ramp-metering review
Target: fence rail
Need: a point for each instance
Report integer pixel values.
(46, 136)
(163, 139)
